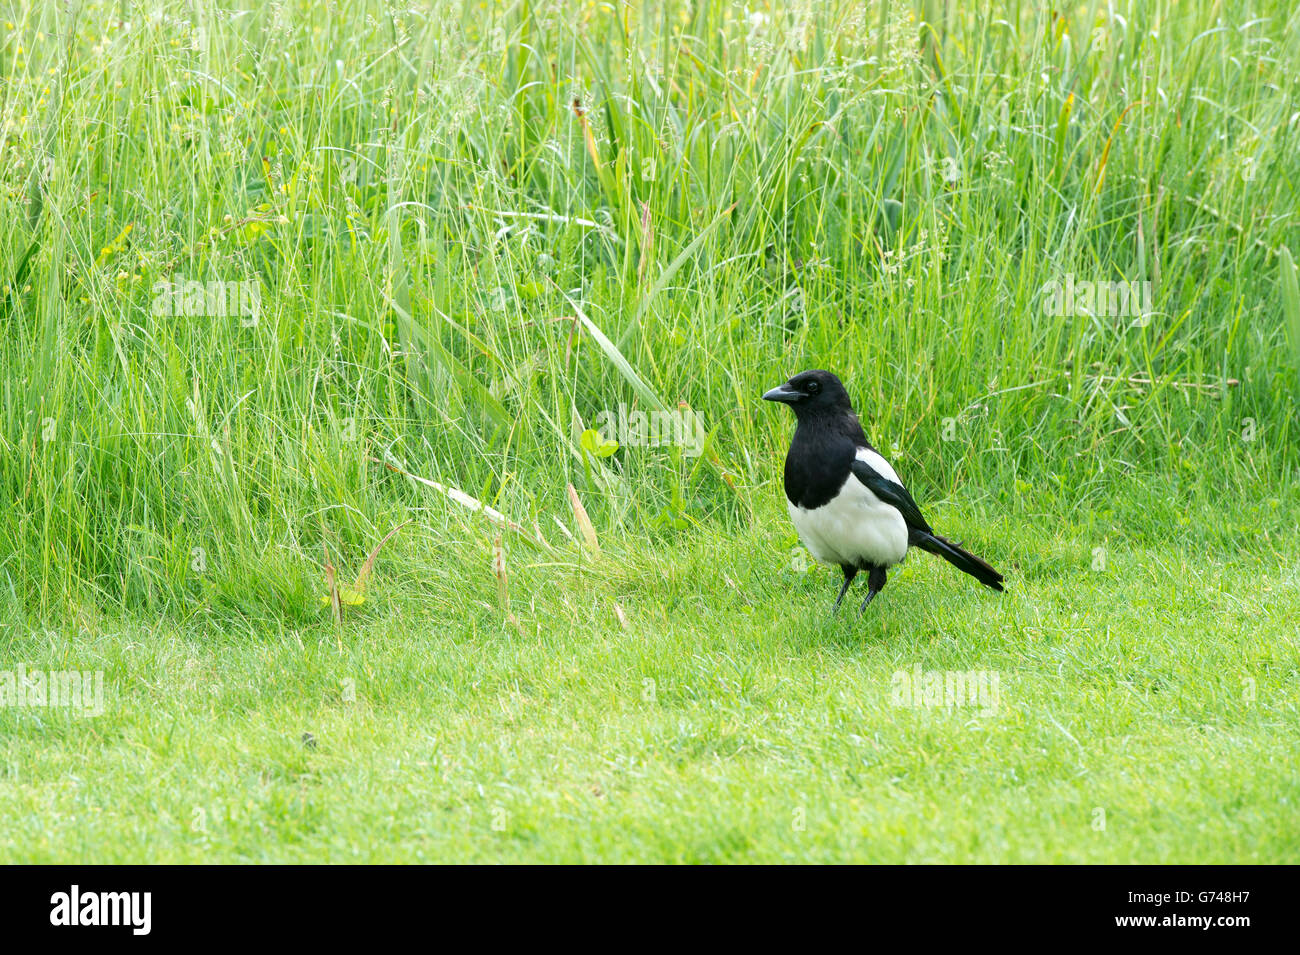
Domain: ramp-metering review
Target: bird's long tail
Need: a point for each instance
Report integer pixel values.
(963, 560)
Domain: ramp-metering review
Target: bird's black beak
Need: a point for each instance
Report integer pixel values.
(784, 394)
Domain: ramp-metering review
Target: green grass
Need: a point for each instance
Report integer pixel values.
(732, 719)
(475, 228)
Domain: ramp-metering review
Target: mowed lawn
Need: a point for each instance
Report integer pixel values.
(1146, 712)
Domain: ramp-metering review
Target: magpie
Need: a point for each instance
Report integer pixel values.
(846, 502)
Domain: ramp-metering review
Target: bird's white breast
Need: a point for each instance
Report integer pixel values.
(854, 527)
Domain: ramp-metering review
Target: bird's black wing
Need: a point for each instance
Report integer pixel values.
(891, 493)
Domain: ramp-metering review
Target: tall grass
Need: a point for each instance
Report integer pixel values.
(476, 226)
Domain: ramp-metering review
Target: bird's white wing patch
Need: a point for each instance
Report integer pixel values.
(878, 464)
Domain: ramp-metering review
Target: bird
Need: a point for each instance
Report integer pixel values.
(846, 501)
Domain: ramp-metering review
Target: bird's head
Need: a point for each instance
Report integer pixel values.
(812, 393)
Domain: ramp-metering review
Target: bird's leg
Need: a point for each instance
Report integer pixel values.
(875, 583)
(849, 574)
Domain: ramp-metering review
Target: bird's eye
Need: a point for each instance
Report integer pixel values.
(813, 387)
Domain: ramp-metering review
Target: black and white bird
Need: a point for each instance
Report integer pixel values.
(847, 503)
